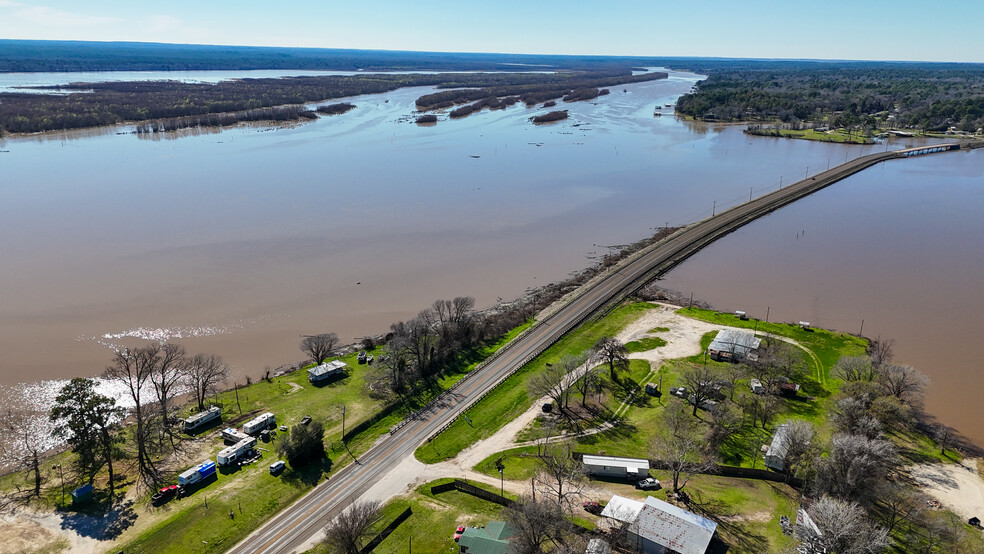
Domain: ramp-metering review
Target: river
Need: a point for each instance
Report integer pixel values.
(241, 241)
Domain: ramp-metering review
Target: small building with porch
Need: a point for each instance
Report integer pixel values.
(775, 456)
(488, 539)
(326, 371)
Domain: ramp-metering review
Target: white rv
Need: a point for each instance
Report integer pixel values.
(260, 423)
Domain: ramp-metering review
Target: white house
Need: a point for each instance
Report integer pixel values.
(325, 371)
(613, 466)
(732, 345)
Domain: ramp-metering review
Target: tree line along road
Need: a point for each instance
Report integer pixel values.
(292, 527)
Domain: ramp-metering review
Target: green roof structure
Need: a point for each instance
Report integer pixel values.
(490, 539)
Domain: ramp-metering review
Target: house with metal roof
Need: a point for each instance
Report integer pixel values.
(660, 527)
(613, 466)
(326, 371)
(734, 345)
(488, 539)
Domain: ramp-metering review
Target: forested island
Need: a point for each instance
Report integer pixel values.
(172, 104)
(857, 96)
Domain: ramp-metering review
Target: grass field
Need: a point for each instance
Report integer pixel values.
(510, 399)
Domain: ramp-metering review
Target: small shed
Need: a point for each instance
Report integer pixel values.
(598, 546)
(326, 371)
(775, 456)
(613, 466)
(82, 494)
(733, 345)
(622, 509)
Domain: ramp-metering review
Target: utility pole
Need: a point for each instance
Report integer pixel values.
(714, 209)
(780, 182)
(767, 308)
(861, 332)
(343, 423)
(750, 194)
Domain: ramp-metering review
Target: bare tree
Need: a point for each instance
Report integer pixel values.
(851, 416)
(904, 382)
(588, 378)
(798, 443)
(613, 353)
(539, 525)
(855, 467)
(881, 351)
(702, 384)
(843, 528)
(319, 347)
(25, 439)
(760, 408)
(734, 373)
(562, 476)
(166, 379)
(351, 529)
(778, 359)
(132, 368)
(855, 368)
(681, 444)
(203, 373)
(726, 423)
(899, 503)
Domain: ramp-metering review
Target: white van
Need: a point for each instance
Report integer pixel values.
(277, 467)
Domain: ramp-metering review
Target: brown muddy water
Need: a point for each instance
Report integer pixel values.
(240, 242)
(896, 248)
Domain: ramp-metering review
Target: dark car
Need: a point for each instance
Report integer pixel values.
(164, 494)
(305, 420)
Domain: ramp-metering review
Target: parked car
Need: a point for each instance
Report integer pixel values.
(305, 420)
(277, 467)
(458, 532)
(592, 507)
(648, 484)
(164, 494)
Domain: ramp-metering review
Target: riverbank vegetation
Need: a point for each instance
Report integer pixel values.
(863, 98)
(335, 109)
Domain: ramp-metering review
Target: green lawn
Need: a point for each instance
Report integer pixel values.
(435, 517)
(510, 399)
(290, 397)
(642, 345)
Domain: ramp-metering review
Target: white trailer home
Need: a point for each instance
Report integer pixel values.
(235, 452)
(612, 466)
(260, 423)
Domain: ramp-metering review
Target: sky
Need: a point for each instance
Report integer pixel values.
(833, 29)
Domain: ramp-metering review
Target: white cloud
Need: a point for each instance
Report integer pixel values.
(53, 17)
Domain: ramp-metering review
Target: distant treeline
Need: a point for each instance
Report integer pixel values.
(277, 113)
(551, 116)
(116, 102)
(932, 97)
(335, 109)
(42, 55)
(570, 87)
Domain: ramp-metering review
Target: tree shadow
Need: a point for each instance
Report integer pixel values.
(105, 524)
(309, 474)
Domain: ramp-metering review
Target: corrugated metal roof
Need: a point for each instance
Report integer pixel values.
(325, 368)
(675, 528)
(735, 341)
(622, 509)
(777, 450)
(634, 464)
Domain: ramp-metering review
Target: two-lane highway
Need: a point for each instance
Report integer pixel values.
(296, 524)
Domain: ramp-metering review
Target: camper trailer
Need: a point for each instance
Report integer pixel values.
(202, 419)
(261, 422)
(234, 453)
(197, 474)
